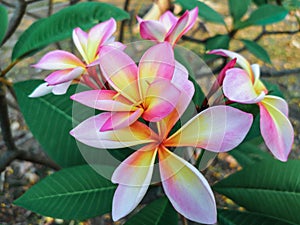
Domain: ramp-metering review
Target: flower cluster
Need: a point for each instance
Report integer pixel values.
(141, 104)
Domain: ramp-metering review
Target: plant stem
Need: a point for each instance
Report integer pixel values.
(8, 68)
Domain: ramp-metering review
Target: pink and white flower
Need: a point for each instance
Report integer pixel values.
(69, 67)
(244, 86)
(168, 28)
(149, 90)
(217, 129)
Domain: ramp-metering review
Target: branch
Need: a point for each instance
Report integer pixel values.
(4, 120)
(122, 27)
(195, 40)
(9, 156)
(275, 73)
(20, 9)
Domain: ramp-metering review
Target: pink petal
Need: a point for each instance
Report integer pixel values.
(168, 20)
(119, 120)
(62, 76)
(134, 176)
(240, 60)
(238, 87)
(137, 169)
(152, 30)
(159, 102)
(217, 129)
(88, 133)
(186, 188)
(184, 24)
(121, 74)
(98, 35)
(180, 80)
(276, 130)
(278, 103)
(58, 60)
(61, 89)
(80, 39)
(108, 100)
(41, 90)
(157, 62)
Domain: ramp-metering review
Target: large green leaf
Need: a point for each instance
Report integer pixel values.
(218, 41)
(158, 212)
(73, 193)
(269, 187)
(232, 217)
(3, 22)
(257, 50)
(60, 25)
(265, 14)
(238, 8)
(249, 153)
(205, 12)
(49, 118)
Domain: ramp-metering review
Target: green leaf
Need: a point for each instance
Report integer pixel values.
(249, 153)
(273, 89)
(73, 193)
(265, 14)
(255, 127)
(181, 56)
(269, 187)
(257, 50)
(3, 22)
(233, 217)
(158, 212)
(49, 118)
(59, 26)
(218, 41)
(260, 2)
(205, 12)
(238, 8)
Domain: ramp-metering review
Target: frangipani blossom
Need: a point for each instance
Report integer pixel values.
(148, 90)
(217, 129)
(168, 28)
(244, 86)
(68, 66)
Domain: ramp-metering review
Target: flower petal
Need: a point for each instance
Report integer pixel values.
(159, 102)
(121, 74)
(98, 35)
(237, 87)
(180, 80)
(240, 60)
(41, 90)
(58, 60)
(61, 89)
(218, 129)
(276, 130)
(157, 62)
(184, 24)
(62, 76)
(88, 133)
(119, 120)
(168, 20)
(278, 103)
(108, 100)
(186, 188)
(152, 30)
(80, 40)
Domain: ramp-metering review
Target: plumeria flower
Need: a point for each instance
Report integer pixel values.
(69, 67)
(168, 28)
(147, 90)
(216, 129)
(244, 86)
